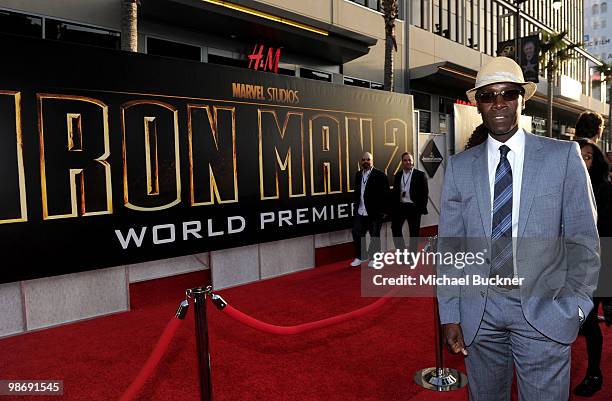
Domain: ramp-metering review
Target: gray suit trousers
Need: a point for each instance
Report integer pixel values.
(505, 340)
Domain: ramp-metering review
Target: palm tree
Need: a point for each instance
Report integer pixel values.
(606, 72)
(554, 53)
(129, 25)
(390, 12)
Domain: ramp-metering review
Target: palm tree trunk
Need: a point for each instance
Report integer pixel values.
(609, 139)
(129, 25)
(389, 63)
(389, 9)
(607, 135)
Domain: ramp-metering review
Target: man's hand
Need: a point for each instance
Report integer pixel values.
(453, 336)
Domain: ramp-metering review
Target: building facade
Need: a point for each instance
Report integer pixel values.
(597, 29)
(438, 55)
(597, 35)
(342, 41)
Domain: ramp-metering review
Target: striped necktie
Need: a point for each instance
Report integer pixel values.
(501, 233)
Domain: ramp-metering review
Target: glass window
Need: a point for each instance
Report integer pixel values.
(160, 47)
(373, 4)
(446, 105)
(376, 5)
(595, 24)
(361, 2)
(286, 71)
(538, 126)
(604, 8)
(356, 82)
(318, 75)
(416, 7)
(76, 33)
(595, 9)
(444, 120)
(20, 24)
(232, 62)
(377, 85)
(424, 121)
(422, 101)
(604, 23)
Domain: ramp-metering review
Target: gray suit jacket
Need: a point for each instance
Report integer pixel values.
(557, 249)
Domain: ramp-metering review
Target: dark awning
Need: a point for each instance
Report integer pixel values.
(444, 78)
(452, 80)
(249, 22)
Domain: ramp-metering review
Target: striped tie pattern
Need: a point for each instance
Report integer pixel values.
(501, 233)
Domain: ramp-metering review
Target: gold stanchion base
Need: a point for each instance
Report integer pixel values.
(440, 379)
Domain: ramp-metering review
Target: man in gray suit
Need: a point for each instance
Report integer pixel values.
(528, 201)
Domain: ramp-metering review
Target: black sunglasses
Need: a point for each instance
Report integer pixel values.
(507, 95)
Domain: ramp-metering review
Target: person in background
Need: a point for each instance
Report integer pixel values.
(371, 192)
(598, 168)
(409, 202)
(609, 157)
(480, 135)
(590, 125)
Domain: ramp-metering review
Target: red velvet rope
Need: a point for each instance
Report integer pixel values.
(304, 327)
(154, 358)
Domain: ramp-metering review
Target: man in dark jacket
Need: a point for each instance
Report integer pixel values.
(371, 191)
(409, 200)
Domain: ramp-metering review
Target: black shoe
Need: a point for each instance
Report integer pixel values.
(589, 386)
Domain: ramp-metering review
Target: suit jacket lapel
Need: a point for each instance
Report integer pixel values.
(480, 172)
(532, 164)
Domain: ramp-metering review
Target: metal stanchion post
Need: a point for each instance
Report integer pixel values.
(439, 378)
(201, 325)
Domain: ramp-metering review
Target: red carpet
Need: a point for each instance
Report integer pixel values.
(372, 358)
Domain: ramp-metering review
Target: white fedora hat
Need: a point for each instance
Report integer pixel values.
(498, 70)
